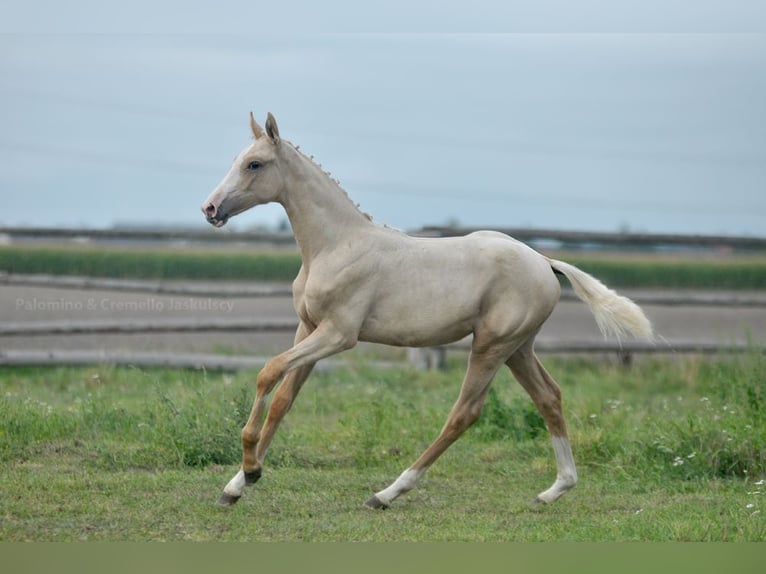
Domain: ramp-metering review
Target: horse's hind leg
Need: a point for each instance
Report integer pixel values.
(481, 370)
(546, 395)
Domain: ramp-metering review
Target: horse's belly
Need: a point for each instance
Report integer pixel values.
(418, 326)
(414, 337)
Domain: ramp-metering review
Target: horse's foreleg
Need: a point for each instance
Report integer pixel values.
(283, 400)
(295, 365)
(546, 395)
(467, 409)
(255, 442)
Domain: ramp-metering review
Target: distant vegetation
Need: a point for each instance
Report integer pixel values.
(677, 272)
(615, 269)
(151, 263)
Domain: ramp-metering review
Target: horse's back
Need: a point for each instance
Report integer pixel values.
(432, 290)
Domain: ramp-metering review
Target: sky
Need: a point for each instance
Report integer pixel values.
(570, 119)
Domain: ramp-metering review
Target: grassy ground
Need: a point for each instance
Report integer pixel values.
(616, 269)
(667, 450)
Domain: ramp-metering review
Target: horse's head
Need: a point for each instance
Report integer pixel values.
(254, 177)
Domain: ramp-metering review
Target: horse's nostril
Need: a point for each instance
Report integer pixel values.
(210, 210)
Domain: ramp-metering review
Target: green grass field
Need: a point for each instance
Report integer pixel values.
(668, 450)
(615, 269)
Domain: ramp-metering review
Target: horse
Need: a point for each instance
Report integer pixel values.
(364, 281)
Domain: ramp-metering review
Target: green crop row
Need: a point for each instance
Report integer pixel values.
(693, 272)
(151, 264)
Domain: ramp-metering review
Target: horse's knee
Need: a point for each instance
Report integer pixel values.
(473, 413)
(249, 437)
(269, 375)
(462, 419)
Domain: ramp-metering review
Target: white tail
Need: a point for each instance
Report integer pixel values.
(615, 315)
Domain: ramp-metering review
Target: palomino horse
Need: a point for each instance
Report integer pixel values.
(361, 281)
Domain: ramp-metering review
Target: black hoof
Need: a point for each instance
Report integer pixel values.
(252, 477)
(227, 500)
(376, 503)
(538, 501)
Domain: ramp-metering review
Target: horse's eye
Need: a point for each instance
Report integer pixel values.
(253, 165)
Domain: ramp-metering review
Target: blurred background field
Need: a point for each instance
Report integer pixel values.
(702, 270)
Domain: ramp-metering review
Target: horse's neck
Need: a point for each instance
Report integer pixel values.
(320, 212)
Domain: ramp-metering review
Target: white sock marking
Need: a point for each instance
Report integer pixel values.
(406, 481)
(236, 485)
(564, 459)
(566, 474)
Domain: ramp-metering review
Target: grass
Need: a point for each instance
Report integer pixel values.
(617, 270)
(667, 450)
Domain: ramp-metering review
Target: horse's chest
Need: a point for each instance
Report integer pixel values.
(326, 299)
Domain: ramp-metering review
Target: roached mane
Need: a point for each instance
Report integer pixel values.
(329, 176)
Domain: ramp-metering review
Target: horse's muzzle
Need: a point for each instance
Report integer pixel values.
(218, 221)
(213, 215)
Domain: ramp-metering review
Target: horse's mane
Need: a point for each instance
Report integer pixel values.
(332, 179)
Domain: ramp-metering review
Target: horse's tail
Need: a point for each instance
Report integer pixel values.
(615, 315)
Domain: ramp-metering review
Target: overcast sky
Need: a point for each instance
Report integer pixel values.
(564, 123)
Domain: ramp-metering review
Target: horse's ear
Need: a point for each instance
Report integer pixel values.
(271, 128)
(257, 130)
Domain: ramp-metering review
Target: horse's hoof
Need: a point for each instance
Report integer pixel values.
(537, 501)
(375, 503)
(226, 500)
